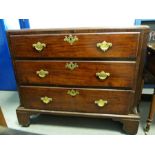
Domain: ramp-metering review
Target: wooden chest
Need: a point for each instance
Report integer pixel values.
(80, 72)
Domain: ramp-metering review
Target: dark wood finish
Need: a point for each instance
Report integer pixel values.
(125, 64)
(23, 118)
(130, 121)
(151, 114)
(149, 74)
(150, 66)
(122, 74)
(66, 31)
(81, 114)
(118, 101)
(124, 45)
(140, 70)
(130, 126)
(2, 119)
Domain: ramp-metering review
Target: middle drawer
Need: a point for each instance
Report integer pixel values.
(77, 73)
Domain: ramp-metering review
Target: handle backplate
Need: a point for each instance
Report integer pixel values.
(46, 99)
(102, 75)
(101, 102)
(42, 73)
(104, 46)
(39, 46)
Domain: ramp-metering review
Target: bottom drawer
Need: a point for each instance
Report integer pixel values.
(77, 100)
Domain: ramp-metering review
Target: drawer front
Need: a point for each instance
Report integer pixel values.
(123, 45)
(79, 73)
(84, 100)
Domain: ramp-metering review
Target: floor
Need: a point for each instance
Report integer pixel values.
(54, 125)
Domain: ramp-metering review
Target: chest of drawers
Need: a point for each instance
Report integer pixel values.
(79, 72)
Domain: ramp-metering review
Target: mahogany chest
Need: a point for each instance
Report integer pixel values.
(80, 72)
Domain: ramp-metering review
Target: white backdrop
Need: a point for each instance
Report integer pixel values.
(82, 13)
(79, 21)
(93, 13)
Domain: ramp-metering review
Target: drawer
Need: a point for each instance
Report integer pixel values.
(77, 73)
(123, 45)
(76, 100)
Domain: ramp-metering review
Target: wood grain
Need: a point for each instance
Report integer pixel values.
(124, 61)
(118, 101)
(123, 45)
(121, 73)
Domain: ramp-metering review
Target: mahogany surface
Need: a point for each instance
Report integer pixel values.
(122, 74)
(124, 45)
(122, 89)
(118, 100)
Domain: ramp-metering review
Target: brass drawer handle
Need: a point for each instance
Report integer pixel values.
(46, 99)
(71, 65)
(42, 73)
(71, 39)
(102, 75)
(72, 92)
(101, 102)
(104, 46)
(39, 46)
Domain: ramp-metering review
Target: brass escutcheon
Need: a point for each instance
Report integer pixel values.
(71, 65)
(71, 39)
(72, 92)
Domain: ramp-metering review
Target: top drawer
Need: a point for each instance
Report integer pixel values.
(75, 45)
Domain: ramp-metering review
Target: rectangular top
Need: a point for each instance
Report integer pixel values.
(79, 30)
